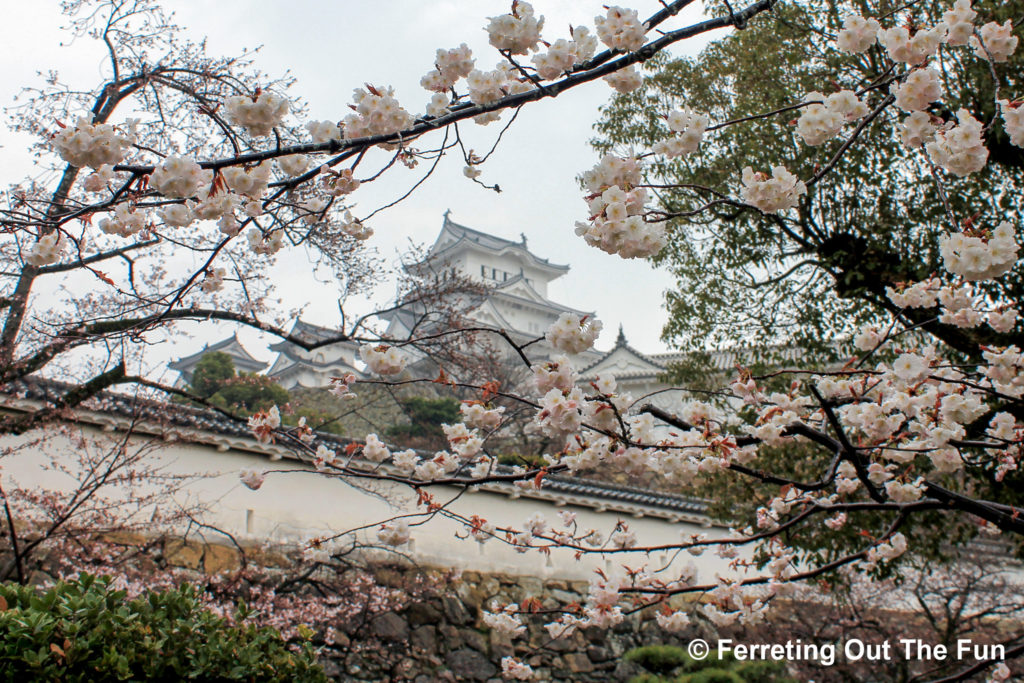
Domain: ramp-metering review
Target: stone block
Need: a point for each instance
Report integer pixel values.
(390, 626)
(183, 553)
(125, 538)
(420, 613)
(456, 612)
(220, 558)
(424, 638)
(578, 663)
(474, 639)
(470, 665)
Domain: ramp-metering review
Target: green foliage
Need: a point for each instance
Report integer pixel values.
(212, 370)
(243, 393)
(659, 659)
(815, 275)
(767, 285)
(84, 630)
(712, 675)
(247, 393)
(761, 672)
(670, 664)
(426, 415)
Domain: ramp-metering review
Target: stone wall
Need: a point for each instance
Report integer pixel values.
(442, 637)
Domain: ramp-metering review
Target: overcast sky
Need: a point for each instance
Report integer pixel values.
(331, 47)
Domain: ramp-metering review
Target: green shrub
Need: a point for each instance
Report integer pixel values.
(712, 675)
(671, 664)
(659, 659)
(763, 672)
(84, 630)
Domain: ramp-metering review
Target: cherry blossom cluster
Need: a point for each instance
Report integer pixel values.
(616, 206)
(377, 112)
(265, 243)
(556, 373)
(91, 145)
(912, 49)
(1013, 121)
(449, 67)
(394, 533)
(980, 258)
(46, 250)
(324, 131)
(355, 228)
(996, 41)
(124, 221)
(621, 29)
(822, 120)
(383, 359)
(100, 179)
(959, 149)
(478, 416)
(858, 34)
(264, 423)
(517, 32)
(177, 215)
(258, 114)
(920, 88)
(689, 128)
(342, 386)
(573, 334)
(338, 183)
(624, 80)
(563, 55)
(179, 177)
(485, 87)
(771, 194)
(249, 181)
(958, 22)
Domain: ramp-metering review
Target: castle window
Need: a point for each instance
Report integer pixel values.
(483, 271)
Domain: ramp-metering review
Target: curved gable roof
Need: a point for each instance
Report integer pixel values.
(243, 359)
(453, 235)
(624, 352)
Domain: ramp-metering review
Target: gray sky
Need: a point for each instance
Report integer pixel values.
(333, 47)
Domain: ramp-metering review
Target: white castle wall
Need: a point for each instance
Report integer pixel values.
(296, 504)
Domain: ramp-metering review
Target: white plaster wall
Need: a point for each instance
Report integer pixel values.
(509, 262)
(296, 504)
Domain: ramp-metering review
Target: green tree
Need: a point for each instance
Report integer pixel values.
(84, 630)
(212, 370)
(750, 279)
(778, 284)
(670, 664)
(215, 380)
(426, 415)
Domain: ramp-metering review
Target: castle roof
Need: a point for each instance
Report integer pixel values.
(185, 423)
(454, 237)
(243, 360)
(309, 333)
(625, 362)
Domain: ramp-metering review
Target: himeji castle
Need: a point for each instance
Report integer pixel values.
(516, 301)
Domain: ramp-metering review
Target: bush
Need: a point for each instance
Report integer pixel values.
(659, 659)
(84, 630)
(670, 664)
(712, 675)
(763, 672)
